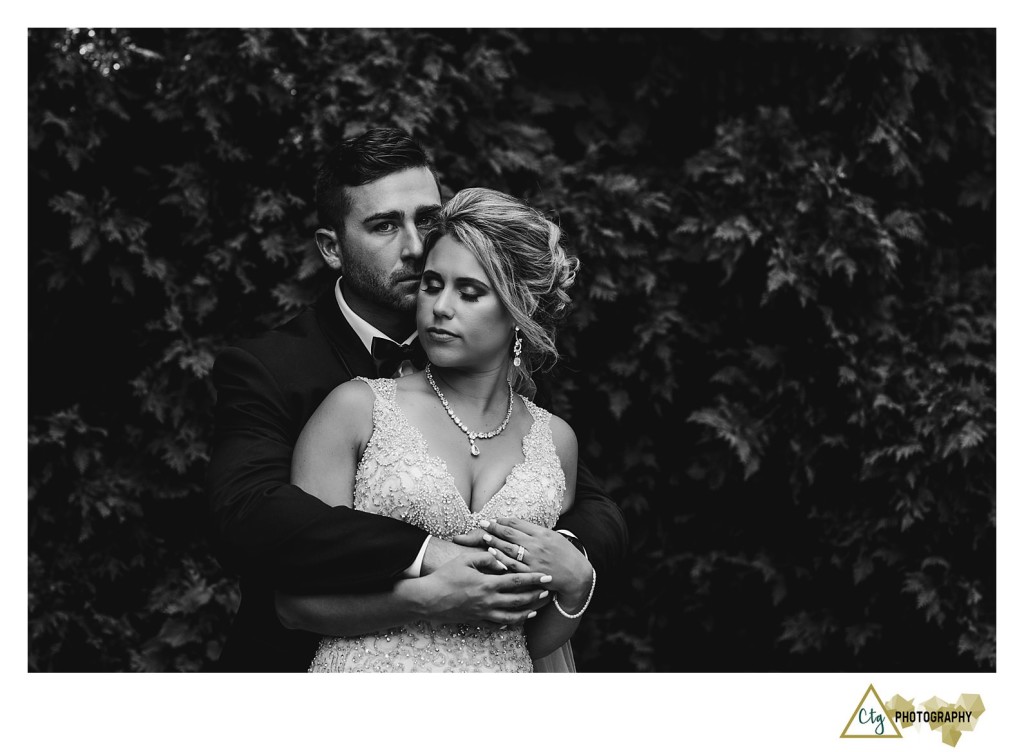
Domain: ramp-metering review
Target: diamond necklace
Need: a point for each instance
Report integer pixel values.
(472, 435)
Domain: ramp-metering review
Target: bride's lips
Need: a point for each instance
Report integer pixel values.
(436, 334)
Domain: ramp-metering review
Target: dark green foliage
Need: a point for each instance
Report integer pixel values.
(781, 360)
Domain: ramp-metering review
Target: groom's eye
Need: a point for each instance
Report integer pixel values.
(385, 227)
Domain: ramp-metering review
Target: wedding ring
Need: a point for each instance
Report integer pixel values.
(519, 556)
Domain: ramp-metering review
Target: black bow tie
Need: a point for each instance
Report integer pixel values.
(389, 356)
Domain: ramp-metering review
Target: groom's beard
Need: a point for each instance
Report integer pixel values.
(386, 291)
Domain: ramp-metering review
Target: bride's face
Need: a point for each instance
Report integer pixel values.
(460, 319)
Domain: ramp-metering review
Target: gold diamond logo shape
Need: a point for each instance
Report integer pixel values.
(871, 719)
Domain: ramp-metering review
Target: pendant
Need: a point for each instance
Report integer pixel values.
(473, 448)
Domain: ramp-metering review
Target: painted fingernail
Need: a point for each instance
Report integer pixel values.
(544, 594)
(531, 614)
(504, 568)
(546, 578)
(488, 537)
(485, 524)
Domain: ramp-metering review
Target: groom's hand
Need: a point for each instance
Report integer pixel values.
(474, 587)
(440, 552)
(473, 539)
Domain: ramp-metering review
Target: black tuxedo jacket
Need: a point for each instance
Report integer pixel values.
(278, 537)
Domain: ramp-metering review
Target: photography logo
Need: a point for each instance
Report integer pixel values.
(871, 719)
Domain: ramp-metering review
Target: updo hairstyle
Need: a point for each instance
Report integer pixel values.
(521, 253)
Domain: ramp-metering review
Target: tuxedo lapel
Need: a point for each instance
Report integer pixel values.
(344, 341)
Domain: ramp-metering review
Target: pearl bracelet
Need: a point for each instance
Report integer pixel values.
(577, 615)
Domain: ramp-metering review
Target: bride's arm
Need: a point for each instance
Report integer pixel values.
(550, 629)
(328, 450)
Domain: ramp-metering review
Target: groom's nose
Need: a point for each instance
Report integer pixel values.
(412, 247)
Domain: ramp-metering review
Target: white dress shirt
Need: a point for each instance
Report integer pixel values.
(367, 331)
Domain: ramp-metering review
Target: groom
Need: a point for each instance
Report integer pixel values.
(376, 196)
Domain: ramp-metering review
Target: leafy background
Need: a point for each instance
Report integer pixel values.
(781, 360)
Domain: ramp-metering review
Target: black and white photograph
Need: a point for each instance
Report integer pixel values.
(611, 351)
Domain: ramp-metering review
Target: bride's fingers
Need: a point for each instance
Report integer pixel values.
(498, 533)
(510, 550)
(498, 529)
(509, 564)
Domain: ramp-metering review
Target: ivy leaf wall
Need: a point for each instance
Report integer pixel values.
(781, 358)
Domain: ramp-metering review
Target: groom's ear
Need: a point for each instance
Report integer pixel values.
(330, 248)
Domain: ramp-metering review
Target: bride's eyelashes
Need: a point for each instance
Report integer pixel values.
(433, 287)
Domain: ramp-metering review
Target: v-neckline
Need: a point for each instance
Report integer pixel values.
(444, 465)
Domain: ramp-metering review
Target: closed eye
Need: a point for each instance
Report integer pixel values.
(432, 287)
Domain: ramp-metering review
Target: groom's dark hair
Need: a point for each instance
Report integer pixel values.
(373, 155)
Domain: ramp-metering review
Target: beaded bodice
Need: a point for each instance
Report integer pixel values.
(399, 477)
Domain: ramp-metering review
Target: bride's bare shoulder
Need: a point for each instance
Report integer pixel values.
(345, 413)
(352, 395)
(564, 439)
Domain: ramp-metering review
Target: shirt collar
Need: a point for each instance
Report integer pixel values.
(363, 329)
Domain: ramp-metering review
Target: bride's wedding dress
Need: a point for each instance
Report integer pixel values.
(397, 476)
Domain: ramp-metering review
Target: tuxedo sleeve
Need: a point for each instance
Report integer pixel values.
(266, 527)
(598, 523)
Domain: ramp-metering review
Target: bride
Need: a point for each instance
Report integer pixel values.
(458, 447)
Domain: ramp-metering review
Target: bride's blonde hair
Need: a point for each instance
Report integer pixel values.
(522, 254)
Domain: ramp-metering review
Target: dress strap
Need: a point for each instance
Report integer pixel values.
(539, 436)
(383, 389)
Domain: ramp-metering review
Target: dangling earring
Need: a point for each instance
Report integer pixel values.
(517, 350)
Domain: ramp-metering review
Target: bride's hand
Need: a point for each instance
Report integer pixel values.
(544, 550)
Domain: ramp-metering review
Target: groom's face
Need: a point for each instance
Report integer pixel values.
(379, 247)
